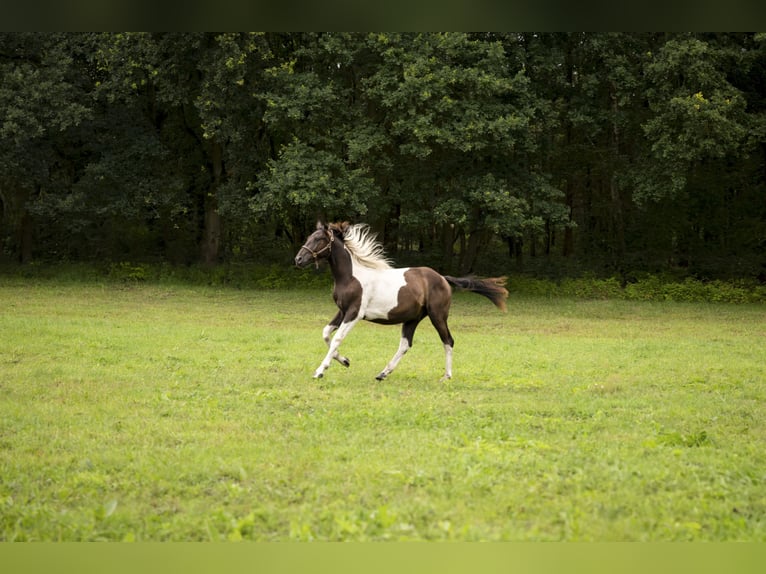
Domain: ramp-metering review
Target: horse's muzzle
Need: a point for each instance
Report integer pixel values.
(302, 260)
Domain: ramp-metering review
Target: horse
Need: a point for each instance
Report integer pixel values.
(368, 288)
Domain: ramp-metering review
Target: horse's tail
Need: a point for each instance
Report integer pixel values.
(493, 288)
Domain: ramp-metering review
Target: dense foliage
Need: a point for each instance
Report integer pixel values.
(613, 152)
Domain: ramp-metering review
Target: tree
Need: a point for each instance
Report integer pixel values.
(699, 132)
(315, 121)
(621, 152)
(195, 91)
(43, 98)
(460, 120)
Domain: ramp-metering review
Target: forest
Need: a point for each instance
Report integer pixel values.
(615, 154)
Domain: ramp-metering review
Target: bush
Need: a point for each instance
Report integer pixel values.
(279, 276)
(588, 288)
(242, 276)
(653, 288)
(648, 288)
(126, 272)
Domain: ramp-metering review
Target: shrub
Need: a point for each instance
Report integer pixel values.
(126, 272)
(284, 276)
(648, 288)
(591, 288)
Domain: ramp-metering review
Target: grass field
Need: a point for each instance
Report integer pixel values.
(155, 412)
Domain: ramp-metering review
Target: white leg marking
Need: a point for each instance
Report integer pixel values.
(404, 346)
(448, 363)
(343, 330)
(326, 333)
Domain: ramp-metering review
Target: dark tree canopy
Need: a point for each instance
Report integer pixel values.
(614, 153)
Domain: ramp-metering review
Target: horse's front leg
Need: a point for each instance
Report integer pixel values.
(328, 331)
(343, 330)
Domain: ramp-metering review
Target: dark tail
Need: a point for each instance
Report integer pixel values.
(492, 288)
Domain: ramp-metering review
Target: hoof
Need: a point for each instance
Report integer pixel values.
(381, 376)
(345, 362)
(318, 375)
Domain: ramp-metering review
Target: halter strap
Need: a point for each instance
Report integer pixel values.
(315, 254)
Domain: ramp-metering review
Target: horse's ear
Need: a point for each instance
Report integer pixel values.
(321, 225)
(339, 227)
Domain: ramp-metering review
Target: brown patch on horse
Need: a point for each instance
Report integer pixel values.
(347, 297)
(425, 289)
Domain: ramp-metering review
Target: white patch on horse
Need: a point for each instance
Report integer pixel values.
(404, 346)
(343, 330)
(380, 290)
(326, 334)
(448, 362)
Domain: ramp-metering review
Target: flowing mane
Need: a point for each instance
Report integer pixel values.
(363, 245)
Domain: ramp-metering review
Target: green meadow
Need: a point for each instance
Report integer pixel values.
(151, 412)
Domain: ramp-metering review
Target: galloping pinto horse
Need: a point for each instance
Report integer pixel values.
(368, 287)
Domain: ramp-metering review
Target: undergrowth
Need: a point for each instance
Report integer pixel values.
(283, 276)
(648, 288)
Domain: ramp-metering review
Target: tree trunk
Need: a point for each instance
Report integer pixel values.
(516, 250)
(448, 241)
(471, 251)
(211, 240)
(568, 248)
(618, 221)
(569, 244)
(211, 234)
(26, 234)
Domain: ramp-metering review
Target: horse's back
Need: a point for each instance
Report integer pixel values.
(403, 294)
(432, 289)
(427, 279)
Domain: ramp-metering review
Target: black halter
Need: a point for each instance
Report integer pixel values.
(315, 254)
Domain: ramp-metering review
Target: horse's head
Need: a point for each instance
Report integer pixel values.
(317, 246)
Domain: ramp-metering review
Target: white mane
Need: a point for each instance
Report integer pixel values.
(364, 247)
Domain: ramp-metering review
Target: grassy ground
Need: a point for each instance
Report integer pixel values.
(189, 413)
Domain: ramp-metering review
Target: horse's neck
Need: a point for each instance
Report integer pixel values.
(340, 264)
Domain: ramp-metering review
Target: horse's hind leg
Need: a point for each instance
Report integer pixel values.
(439, 322)
(408, 331)
(328, 331)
